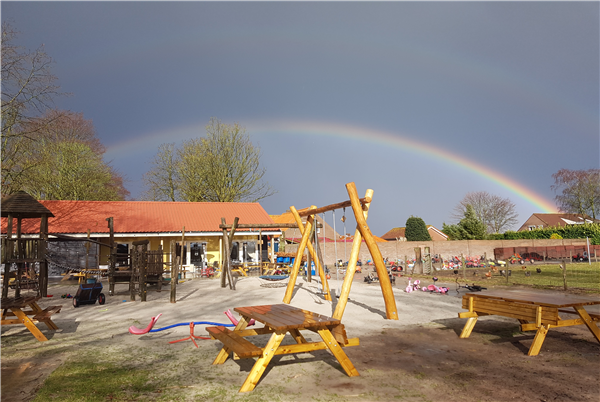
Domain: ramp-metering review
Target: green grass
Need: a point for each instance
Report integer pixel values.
(89, 381)
(581, 276)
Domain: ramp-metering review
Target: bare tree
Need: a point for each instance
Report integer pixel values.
(497, 213)
(162, 179)
(224, 166)
(28, 89)
(579, 191)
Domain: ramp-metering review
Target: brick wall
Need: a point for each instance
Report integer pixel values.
(394, 250)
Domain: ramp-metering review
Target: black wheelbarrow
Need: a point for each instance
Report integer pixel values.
(88, 293)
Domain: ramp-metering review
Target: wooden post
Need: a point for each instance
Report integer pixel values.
(19, 257)
(311, 251)
(181, 255)
(43, 276)
(112, 258)
(351, 269)
(428, 262)
(143, 270)
(133, 256)
(230, 242)
(384, 279)
(418, 268)
(260, 250)
(227, 244)
(564, 272)
(225, 257)
(9, 255)
(174, 270)
(287, 298)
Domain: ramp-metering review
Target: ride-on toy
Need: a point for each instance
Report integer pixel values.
(88, 293)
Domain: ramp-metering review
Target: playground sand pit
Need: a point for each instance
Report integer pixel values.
(93, 357)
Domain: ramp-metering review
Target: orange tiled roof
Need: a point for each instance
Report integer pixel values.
(143, 216)
(394, 233)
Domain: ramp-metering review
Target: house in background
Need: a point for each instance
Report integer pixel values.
(293, 235)
(540, 221)
(397, 234)
(158, 222)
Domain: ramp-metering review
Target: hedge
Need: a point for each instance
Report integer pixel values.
(589, 230)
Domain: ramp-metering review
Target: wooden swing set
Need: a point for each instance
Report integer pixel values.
(360, 207)
(280, 319)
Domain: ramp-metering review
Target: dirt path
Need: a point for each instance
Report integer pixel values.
(417, 358)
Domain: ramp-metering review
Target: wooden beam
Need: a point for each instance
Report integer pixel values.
(230, 242)
(264, 226)
(331, 207)
(311, 250)
(72, 238)
(351, 269)
(287, 298)
(384, 279)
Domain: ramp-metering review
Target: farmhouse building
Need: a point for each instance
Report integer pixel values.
(540, 221)
(398, 234)
(158, 222)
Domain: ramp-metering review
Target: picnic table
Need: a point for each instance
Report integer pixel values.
(278, 320)
(14, 307)
(535, 311)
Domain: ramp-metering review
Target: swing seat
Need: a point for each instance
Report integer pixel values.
(274, 277)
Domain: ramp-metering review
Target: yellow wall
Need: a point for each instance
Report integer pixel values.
(213, 245)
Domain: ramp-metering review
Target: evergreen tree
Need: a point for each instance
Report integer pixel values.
(469, 228)
(416, 230)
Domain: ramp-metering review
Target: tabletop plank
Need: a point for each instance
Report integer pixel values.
(261, 314)
(19, 302)
(284, 316)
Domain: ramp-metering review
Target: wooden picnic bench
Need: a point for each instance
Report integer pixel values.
(14, 307)
(278, 320)
(535, 311)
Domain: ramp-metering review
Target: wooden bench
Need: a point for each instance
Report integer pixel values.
(535, 311)
(595, 317)
(47, 313)
(236, 343)
(16, 306)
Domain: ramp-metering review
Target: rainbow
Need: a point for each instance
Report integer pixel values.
(404, 143)
(151, 142)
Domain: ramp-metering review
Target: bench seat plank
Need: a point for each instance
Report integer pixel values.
(234, 342)
(47, 313)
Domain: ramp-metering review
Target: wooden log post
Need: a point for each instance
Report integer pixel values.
(112, 259)
(384, 279)
(225, 257)
(426, 261)
(418, 267)
(174, 269)
(230, 243)
(43, 246)
(19, 257)
(226, 274)
(160, 260)
(9, 252)
(133, 254)
(287, 298)
(351, 269)
(311, 251)
(143, 270)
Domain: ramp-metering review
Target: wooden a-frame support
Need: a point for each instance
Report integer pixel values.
(360, 208)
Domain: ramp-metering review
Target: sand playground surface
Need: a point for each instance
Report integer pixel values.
(419, 357)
